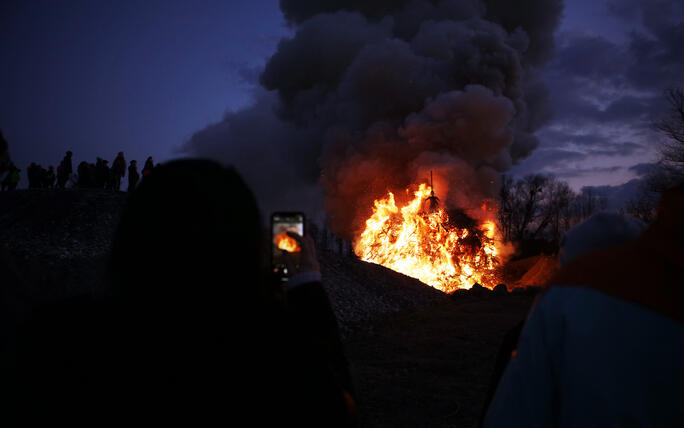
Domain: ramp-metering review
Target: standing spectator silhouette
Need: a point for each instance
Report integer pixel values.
(50, 177)
(11, 180)
(133, 175)
(118, 171)
(41, 177)
(64, 170)
(106, 174)
(34, 176)
(101, 173)
(5, 161)
(87, 175)
(149, 166)
(30, 175)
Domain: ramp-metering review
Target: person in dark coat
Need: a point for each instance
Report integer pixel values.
(50, 177)
(36, 176)
(12, 178)
(106, 174)
(149, 166)
(41, 177)
(101, 173)
(64, 170)
(84, 175)
(133, 175)
(194, 328)
(5, 161)
(31, 175)
(118, 171)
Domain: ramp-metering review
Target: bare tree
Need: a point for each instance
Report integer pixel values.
(521, 204)
(641, 207)
(555, 215)
(586, 204)
(672, 126)
(536, 210)
(669, 171)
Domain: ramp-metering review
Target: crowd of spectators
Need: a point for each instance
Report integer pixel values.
(88, 175)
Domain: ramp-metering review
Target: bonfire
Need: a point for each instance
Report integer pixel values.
(420, 239)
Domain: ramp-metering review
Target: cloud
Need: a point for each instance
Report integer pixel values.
(655, 45)
(627, 108)
(589, 56)
(580, 172)
(606, 94)
(365, 95)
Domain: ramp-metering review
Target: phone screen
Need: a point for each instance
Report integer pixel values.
(281, 243)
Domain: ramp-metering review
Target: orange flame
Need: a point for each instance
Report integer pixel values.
(286, 243)
(426, 246)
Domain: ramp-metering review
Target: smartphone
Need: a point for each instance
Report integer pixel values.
(282, 244)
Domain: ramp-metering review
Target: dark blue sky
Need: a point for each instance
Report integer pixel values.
(98, 77)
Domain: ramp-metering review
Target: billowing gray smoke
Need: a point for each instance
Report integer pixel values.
(369, 96)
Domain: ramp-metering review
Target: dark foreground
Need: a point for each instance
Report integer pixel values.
(432, 367)
(419, 357)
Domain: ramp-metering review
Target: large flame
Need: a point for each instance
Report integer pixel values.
(424, 244)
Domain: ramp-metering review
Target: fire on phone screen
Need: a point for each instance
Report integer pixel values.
(282, 244)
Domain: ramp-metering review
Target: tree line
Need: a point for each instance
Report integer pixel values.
(540, 207)
(543, 208)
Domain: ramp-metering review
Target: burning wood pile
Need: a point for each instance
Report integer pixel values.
(421, 240)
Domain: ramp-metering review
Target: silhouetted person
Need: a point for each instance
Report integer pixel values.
(133, 176)
(50, 177)
(30, 175)
(64, 170)
(149, 166)
(34, 176)
(106, 173)
(101, 173)
(168, 256)
(193, 328)
(5, 161)
(118, 171)
(12, 178)
(41, 177)
(82, 172)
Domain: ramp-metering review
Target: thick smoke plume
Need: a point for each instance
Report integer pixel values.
(369, 96)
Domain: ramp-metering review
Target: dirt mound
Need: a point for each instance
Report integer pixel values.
(59, 223)
(361, 291)
(539, 270)
(60, 239)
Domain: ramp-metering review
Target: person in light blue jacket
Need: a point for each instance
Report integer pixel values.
(604, 345)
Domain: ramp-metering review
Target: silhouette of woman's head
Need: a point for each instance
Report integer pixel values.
(190, 231)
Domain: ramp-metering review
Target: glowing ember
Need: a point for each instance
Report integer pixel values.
(284, 242)
(424, 244)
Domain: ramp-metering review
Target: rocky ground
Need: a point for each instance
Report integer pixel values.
(420, 357)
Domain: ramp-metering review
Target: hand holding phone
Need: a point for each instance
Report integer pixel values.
(308, 261)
